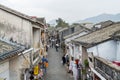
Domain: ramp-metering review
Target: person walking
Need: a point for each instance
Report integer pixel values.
(31, 75)
(63, 59)
(75, 71)
(57, 45)
(67, 62)
(79, 69)
(71, 65)
(53, 42)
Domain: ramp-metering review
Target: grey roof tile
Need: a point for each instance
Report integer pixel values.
(99, 35)
(8, 49)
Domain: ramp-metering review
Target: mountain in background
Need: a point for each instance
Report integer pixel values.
(95, 19)
(100, 18)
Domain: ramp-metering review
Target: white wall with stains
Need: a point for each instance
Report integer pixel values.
(21, 31)
(12, 26)
(118, 51)
(106, 50)
(4, 70)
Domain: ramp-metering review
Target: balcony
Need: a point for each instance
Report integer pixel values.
(107, 69)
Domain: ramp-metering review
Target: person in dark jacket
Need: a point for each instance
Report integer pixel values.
(63, 59)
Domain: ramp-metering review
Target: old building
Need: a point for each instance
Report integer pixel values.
(102, 25)
(9, 55)
(23, 30)
(104, 45)
(65, 31)
(73, 48)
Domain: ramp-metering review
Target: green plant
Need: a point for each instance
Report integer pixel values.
(86, 63)
(83, 71)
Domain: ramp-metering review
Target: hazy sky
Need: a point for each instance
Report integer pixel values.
(69, 10)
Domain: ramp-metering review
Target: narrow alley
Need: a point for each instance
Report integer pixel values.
(56, 71)
(59, 40)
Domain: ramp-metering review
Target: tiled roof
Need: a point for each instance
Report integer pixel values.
(75, 33)
(62, 29)
(105, 23)
(99, 35)
(82, 29)
(116, 35)
(58, 28)
(8, 49)
(65, 28)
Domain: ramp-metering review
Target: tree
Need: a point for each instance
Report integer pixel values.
(61, 23)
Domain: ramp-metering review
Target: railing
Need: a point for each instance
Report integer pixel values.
(106, 69)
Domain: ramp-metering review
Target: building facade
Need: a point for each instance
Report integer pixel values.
(23, 30)
(104, 45)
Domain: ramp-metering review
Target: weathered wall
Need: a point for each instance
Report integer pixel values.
(77, 52)
(4, 70)
(36, 37)
(14, 27)
(106, 50)
(118, 51)
(17, 64)
(20, 30)
(84, 54)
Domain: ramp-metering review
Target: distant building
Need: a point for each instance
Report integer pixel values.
(63, 32)
(102, 25)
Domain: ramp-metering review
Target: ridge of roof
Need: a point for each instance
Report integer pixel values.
(9, 49)
(100, 35)
(73, 34)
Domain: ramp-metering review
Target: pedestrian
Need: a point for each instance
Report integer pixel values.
(53, 41)
(40, 75)
(75, 71)
(63, 59)
(47, 47)
(57, 45)
(67, 59)
(67, 62)
(44, 61)
(77, 61)
(79, 69)
(71, 65)
(31, 75)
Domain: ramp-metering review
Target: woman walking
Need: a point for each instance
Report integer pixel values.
(75, 71)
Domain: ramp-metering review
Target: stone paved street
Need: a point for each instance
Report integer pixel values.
(56, 71)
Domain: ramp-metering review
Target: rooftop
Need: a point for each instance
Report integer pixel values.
(8, 49)
(105, 23)
(75, 33)
(100, 35)
(62, 29)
